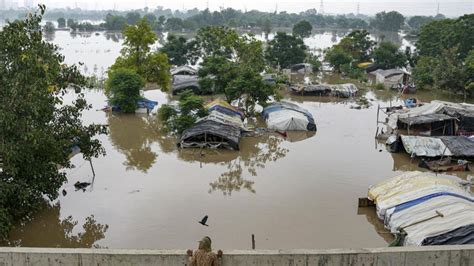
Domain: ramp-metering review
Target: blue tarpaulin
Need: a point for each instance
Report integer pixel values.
(417, 201)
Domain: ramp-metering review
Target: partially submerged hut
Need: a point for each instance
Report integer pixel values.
(337, 90)
(185, 82)
(391, 77)
(211, 134)
(285, 116)
(222, 128)
(302, 68)
(428, 125)
(183, 71)
(453, 146)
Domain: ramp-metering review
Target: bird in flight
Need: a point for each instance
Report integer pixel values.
(203, 221)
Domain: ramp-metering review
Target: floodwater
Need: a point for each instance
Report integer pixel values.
(298, 192)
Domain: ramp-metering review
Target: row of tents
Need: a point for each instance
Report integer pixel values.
(223, 126)
(423, 209)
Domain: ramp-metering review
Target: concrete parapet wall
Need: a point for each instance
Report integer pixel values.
(440, 255)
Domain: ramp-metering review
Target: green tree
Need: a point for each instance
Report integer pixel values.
(267, 27)
(358, 44)
(216, 41)
(337, 57)
(37, 129)
(133, 18)
(123, 89)
(177, 49)
(61, 22)
(138, 39)
(302, 29)
(285, 50)
(174, 24)
(49, 27)
(423, 72)
(450, 73)
(387, 55)
(71, 23)
(157, 70)
(391, 21)
(249, 87)
(190, 108)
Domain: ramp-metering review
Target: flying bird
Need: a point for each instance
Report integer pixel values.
(204, 221)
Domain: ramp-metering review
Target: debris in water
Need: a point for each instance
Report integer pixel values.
(64, 192)
(81, 185)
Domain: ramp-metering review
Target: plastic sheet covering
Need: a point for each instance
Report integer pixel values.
(409, 186)
(184, 82)
(429, 108)
(224, 107)
(463, 235)
(425, 146)
(225, 119)
(183, 70)
(287, 116)
(200, 133)
(447, 205)
(454, 216)
(145, 103)
(287, 120)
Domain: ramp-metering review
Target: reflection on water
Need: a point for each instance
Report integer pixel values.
(47, 229)
(133, 135)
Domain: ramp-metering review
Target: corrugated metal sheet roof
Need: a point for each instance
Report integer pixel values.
(425, 119)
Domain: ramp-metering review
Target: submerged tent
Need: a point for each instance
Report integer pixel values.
(186, 82)
(338, 90)
(457, 146)
(287, 116)
(225, 108)
(425, 209)
(144, 105)
(211, 134)
(183, 70)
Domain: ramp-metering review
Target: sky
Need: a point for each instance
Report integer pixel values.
(406, 7)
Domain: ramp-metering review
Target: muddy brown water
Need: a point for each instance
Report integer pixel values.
(298, 192)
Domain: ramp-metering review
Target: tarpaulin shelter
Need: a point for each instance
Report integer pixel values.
(183, 70)
(425, 209)
(391, 77)
(185, 82)
(456, 146)
(288, 116)
(211, 134)
(429, 124)
(225, 108)
(338, 90)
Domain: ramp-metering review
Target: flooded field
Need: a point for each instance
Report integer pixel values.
(298, 192)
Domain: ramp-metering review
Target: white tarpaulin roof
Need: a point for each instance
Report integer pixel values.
(426, 109)
(425, 146)
(408, 186)
(287, 120)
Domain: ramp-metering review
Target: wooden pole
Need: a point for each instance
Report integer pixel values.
(253, 241)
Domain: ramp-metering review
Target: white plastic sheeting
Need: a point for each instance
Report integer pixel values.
(287, 120)
(429, 108)
(422, 205)
(407, 187)
(224, 119)
(425, 146)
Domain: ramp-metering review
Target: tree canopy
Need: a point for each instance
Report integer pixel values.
(302, 29)
(37, 128)
(123, 88)
(391, 21)
(387, 56)
(285, 50)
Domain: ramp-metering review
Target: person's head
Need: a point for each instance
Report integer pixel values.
(205, 243)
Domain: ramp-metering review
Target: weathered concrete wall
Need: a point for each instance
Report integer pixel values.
(441, 255)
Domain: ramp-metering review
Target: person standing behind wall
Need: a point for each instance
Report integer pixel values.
(204, 255)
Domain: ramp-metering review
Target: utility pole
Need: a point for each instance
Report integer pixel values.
(358, 8)
(437, 10)
(321, 7)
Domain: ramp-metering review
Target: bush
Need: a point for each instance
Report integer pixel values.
(123, 89)
(379, 86)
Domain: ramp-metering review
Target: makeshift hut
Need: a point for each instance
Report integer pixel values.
(183, 71)
(144, 106)
(186, 82)
(302, 68)
(285, 116)
(225, 108)
(337, 90)
(424, 209)
(428, 125)
(211, 134)
(391, 78)
(454, 146)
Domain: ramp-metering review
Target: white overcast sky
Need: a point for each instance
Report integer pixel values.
(406, 7)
